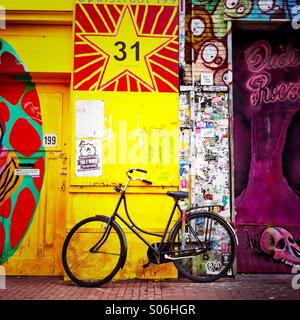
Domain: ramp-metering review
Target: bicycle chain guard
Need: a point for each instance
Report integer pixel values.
(158, 259)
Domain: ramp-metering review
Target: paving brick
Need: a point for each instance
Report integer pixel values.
(242, 287)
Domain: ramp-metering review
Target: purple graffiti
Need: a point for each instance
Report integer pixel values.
(259, 56)
(263, 92)
(269, 80)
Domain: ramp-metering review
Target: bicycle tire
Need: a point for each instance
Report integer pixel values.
(202, 268)
(83, 236)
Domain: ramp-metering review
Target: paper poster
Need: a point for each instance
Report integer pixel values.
(88, 158)
(89, 118)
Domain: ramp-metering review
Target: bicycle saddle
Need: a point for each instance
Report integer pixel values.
(178, 195)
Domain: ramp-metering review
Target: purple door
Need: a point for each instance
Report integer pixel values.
(266, 104)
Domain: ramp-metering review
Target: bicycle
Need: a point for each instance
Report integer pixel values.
(201, 244)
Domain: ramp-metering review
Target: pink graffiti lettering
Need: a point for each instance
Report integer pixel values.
(263, 92)
(259, 56)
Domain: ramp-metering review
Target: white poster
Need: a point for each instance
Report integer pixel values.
(88, 158)
(89, 118)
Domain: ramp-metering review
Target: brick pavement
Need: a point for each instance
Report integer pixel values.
(242, 287)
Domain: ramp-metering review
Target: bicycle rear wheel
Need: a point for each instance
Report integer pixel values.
(91, 268)
(215, 242)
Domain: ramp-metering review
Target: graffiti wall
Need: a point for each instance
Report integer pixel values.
(266, 126)
(206, 32)
(21, 151)
(266, 180)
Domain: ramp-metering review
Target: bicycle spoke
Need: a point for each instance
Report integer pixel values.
(89, 267)
(105, 252)
(211, 242)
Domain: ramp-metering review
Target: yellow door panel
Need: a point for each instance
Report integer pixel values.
(40, 251)
(52, 109)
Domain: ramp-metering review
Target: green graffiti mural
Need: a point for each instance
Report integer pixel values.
(22, 157)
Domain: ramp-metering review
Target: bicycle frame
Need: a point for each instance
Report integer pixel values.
(190, 236)
(156, 250)
(134, 227)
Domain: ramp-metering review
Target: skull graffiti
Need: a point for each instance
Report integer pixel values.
(280, 243)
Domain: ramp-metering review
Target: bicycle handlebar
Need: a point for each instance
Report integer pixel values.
(139, 170)
(146, 181)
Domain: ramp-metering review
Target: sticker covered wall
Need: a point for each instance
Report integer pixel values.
(22, 158)
(204, 104)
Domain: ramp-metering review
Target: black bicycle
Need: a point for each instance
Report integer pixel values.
(201, 244)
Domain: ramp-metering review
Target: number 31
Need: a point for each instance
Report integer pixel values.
(123, 53)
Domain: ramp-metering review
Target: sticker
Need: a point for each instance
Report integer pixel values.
(211, 157)
(183, 184)
(207, 133)
(207, 78)
(225, 259)
(89, 158)
(225, 247)
(208, 196)
(50, 140)
(27, 172)
(213, 267)
(199, 199)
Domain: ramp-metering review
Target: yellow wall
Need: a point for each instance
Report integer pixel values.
(44, 49)
(51, 5)
(47, 51)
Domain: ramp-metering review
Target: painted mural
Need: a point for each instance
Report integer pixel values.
(21, 151)
(207, 31)
(268, 233)
(266, 130)
(130, 48)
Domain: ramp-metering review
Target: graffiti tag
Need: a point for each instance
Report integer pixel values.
(259, 56)
(264, 93)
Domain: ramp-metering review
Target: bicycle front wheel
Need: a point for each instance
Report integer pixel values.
(94, 251)
(211, 243)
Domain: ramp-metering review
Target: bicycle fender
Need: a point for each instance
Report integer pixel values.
(232, 229)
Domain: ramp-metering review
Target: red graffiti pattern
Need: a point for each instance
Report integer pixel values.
(2, 237)
(21, 216)
(20, 140)
(30, 141)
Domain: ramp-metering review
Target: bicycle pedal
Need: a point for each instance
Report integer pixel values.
(146, 265)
